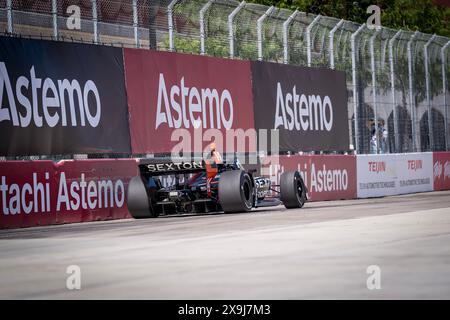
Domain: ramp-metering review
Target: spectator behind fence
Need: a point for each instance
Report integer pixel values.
(383, 139)
(373, 139)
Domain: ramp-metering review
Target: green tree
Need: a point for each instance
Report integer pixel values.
(424, 15)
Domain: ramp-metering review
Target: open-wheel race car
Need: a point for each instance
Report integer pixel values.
(207, 186)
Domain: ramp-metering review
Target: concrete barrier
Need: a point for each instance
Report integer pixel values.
(37, 193)
(391, 174)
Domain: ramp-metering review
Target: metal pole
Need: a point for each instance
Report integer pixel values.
(170, 23)
(135, 23)
(202, 26)
(411, 95)
(444, 87)
(94, 20)
(374, 88)
(259, 23)
(153, 10)
(230, 27)
(331, 42)
(308, 39)
(9, 15)
(355, 92)
(394, 104)
(55, 19)
(427, 86)
(285, 36)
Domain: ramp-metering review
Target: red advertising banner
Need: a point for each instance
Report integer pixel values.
(328, 177)
(441, 170)
(27, 193)
(91, 190)
(187, 101)
(42, 192)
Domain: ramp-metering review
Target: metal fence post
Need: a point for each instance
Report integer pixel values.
(9, 15)
(55, 19)
(230, 27)
(170, 23)
(394, 103)
(374, 88)
(308, 39)
(135, 23)
(355, 92)
(411, 93)
(202, 26)
(95, 20)
(427, 88)
(331, 41)
(444, 87)
(259, 24)
(285, 36)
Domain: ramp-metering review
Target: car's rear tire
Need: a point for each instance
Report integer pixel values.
(236, 191)
(138, 201)
(292, 190)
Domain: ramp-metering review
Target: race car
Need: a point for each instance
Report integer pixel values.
(209, 185)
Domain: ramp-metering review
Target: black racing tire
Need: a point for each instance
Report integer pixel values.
(138, 201)
(292, 190)
(236, 191)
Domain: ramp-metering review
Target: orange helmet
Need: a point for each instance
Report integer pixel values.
(216, 157)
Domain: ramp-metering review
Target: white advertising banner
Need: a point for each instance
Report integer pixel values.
(390, 174)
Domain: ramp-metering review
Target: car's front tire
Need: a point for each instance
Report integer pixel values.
(292, 190)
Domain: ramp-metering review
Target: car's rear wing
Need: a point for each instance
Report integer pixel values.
(153, 167)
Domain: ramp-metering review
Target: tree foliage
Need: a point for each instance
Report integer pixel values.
(424, 15)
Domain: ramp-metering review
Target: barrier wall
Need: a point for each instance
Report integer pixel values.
(391, 174)
(308, 106)
(441, 170)
(135, 101)
(34, 193)
(37, 193)
(176, 99)
(328, 177)
(61, 98)
(28, 193)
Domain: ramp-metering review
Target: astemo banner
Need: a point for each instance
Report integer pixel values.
(390, 174)
(61, 98)
(328, 177)
(34, 193)
(185, 101)
(307, 105)
(65, 98)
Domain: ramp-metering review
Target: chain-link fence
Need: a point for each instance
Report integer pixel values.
(397, 81)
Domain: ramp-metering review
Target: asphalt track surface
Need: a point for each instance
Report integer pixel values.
(320, 251)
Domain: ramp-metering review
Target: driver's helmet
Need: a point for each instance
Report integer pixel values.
(214, 154)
